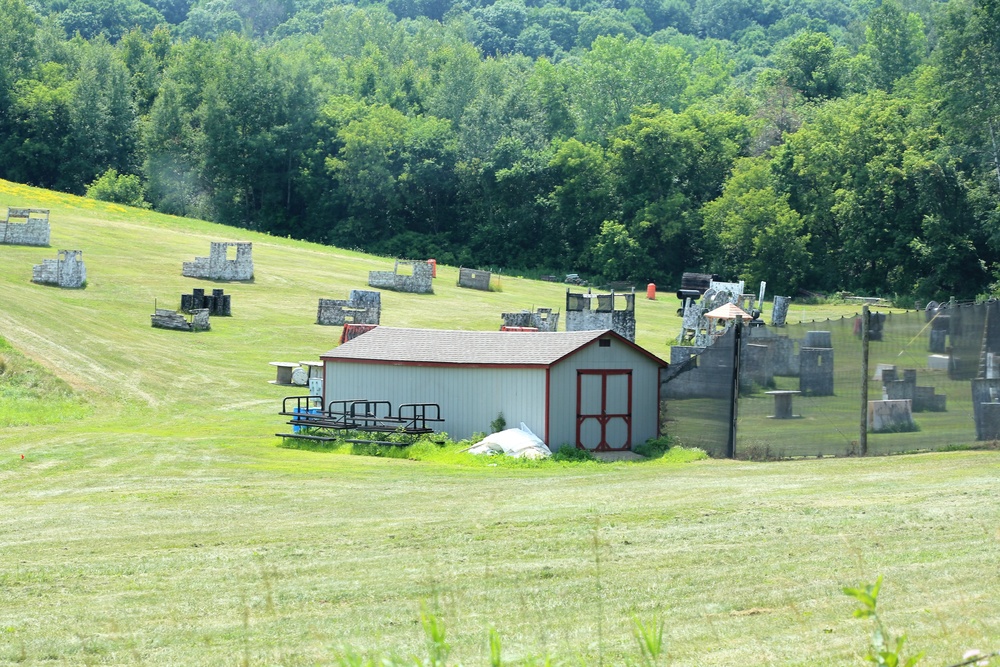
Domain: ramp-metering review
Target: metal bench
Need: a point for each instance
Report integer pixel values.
(377, 442)
(303, 436)
(361, 415)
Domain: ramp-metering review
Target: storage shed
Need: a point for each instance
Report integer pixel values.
(592, 389)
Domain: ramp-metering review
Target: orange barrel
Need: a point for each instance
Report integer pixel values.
(434, 267)
(651, 292)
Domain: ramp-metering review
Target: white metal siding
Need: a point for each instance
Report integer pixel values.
(470, 397)
(562, 399)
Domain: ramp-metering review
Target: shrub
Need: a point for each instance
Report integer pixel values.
(124, 189)
(571, 453)
(498, 424)
(654, 448)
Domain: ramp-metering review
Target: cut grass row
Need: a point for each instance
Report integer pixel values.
(159, 551)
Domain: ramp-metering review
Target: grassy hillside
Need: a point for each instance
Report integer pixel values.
(99, 339)
(153, 520)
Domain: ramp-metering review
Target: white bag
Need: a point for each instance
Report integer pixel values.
(516, 442)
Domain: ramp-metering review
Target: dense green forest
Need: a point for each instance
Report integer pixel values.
(818, 144)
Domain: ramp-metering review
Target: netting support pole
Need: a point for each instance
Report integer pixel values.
(863, 434)
(737, 339)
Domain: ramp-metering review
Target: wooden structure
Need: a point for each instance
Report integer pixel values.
(593, 390)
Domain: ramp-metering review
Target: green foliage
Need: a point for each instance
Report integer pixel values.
(495, 649)
(443, 451)
(876, 197)
(811, 64)
(111, 18)
(966, 77)
(886, 650)
(211, 20)
(17, 43)
(895, 42)
(617, 75)
(570, 135)
(618, 256)
(650, 639)
(571, 453)
(654, 448)
(756, 232)
(665, 166)
(498, 424)
(42, 140)
(119, 188)
(103, 116)
(437, 648)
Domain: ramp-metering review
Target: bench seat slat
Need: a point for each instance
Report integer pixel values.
(301, 436)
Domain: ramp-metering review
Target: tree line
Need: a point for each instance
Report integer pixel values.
(817, 145)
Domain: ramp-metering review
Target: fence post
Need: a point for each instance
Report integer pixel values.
(863, 435)
(737, 339)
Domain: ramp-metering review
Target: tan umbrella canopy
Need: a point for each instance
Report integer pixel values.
(728, 311)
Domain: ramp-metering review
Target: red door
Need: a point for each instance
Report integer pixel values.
(604, 410)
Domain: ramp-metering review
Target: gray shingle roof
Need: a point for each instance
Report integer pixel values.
(435, 346)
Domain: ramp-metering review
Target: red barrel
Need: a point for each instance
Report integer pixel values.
(651, 292)
(434, 267)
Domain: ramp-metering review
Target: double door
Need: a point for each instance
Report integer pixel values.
(604, 410)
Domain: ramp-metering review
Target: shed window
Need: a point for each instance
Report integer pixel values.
(604, 342)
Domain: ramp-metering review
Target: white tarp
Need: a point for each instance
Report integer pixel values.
(516, 442)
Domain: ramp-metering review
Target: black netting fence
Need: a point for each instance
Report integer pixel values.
(698, 395)
(931, 385)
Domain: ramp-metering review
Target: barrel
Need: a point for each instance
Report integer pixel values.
(651, 292)
(434, 267)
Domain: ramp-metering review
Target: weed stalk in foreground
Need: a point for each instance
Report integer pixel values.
(650, 639)
(886, 651)
(437, 647)
(495, 648)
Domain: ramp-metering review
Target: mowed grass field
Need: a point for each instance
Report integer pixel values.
(153, 518)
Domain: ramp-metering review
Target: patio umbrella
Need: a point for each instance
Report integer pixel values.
(728, 311)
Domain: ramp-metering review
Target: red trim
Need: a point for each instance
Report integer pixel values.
(579, 407)
(658, 404)
(428, 364)
(597, 336)
(628, 420)
(603, 418)
(612, 333)
(548, 403)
